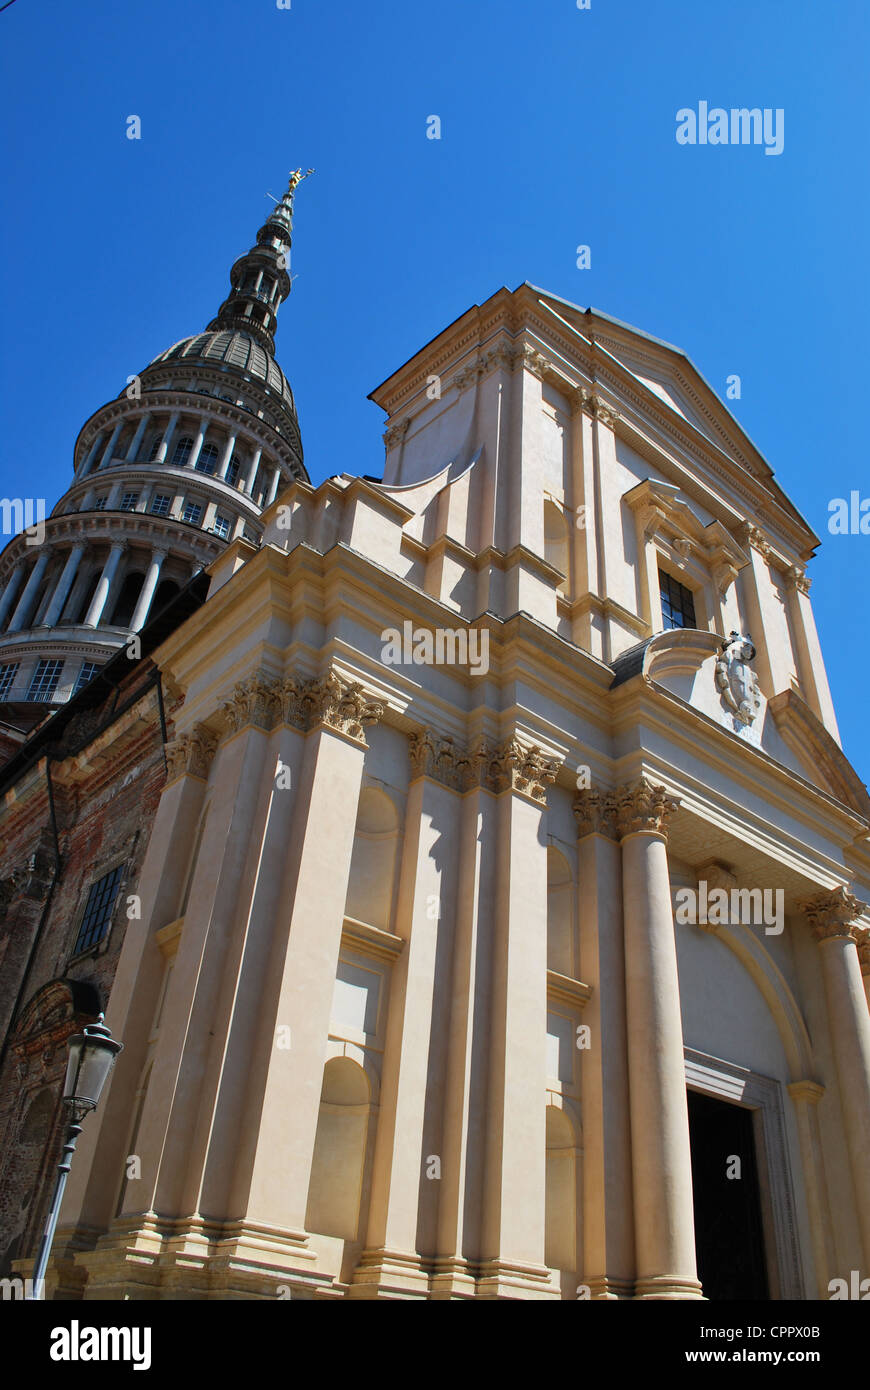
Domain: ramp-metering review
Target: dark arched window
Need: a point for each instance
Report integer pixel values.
(207, 461)
(125, 605)
(182, 452)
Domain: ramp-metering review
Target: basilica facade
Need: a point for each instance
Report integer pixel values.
(501, 911)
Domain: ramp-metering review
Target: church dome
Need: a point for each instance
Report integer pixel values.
(234, 349)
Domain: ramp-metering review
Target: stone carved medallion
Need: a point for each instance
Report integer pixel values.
(736, 680)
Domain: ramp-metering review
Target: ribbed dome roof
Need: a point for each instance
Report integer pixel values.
(236, 350)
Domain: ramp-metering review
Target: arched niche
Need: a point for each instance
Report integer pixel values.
(373, 863)
(561, 1201)
(560, 914)
(556, 542)
(337, 1166)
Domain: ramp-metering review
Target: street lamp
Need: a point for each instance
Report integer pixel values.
(92, 1055)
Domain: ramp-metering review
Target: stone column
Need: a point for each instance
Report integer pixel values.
(513, 1215)
(163, 451)
(470, 1028)
(404, 1202)
(64, 584)
(146, 594)
(805, 1097)
(198, 443)
(273, 486)
(24, 609)
(283, 1093)
(104, 583)
(226, 457)
(661, 1157)
(137, 437)
(92, 453)
(113, 438)
(810, 663)
(833, 918)
(608, 1225)
(251, 474)
(13, 584)
(93, 1183)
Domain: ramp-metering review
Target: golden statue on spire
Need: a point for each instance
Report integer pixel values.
(296, 177)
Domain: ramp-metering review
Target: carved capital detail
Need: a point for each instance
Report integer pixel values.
(798, 579)
(643, 806)
(752, 535)
(595, 813)
(191, 754)
(340, 705)
(327, 701)
(254, 702)
(512, 767)
(441, 761)
(833, 914)
(395, 432)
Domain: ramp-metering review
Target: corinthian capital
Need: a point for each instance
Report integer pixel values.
(833, 914)
(340, 705)
(595, 813)
(515, 768)
(643, 806)
(190, 754)
(440, 760)
(254, 701)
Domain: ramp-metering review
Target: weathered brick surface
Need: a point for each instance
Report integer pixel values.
(106, 776)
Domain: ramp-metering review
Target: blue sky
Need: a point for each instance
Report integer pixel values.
(558, 128)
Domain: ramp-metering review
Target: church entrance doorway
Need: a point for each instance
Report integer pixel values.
(729, 1236)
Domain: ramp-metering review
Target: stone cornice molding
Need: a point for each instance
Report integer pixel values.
(170, 398)
(833, 915)
(191, 754)
(643, 807)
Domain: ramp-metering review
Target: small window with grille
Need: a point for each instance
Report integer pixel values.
(129, 501)
(45, 680)
(7, 676)
(222, 526)
(192, 511)
(86, 674)
(97, 915)
(160, 504)
(100, 503)
(233, 472)
(155, 447)
(678, 603)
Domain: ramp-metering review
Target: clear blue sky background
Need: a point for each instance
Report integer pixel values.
(558, 129)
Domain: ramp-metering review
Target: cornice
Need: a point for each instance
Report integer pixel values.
(643, 699)
(243, 423)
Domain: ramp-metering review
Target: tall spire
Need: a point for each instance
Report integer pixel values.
(259, 279)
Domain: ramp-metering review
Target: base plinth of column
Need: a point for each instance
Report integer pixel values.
(153, 1258)
(658, 1286)
(604, 1289)
(393, 1274)
(499, 1279)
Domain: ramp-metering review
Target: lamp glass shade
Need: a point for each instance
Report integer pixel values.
(90, 1060)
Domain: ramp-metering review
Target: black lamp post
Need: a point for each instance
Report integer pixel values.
(92, 1055)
